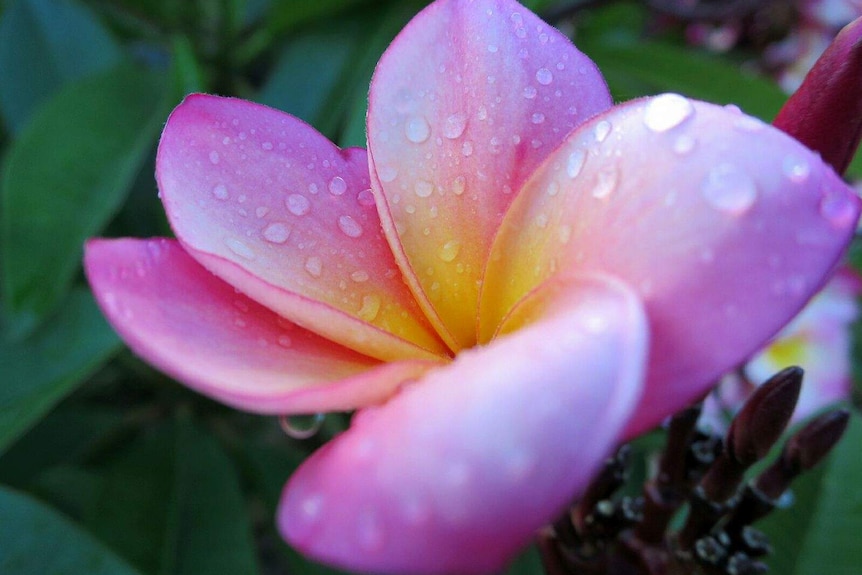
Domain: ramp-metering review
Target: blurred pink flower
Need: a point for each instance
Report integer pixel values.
(515, 276)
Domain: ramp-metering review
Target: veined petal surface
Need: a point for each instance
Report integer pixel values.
(272, 207)
(724, 225)
(463, 106)
(458, 471)
(195, 327)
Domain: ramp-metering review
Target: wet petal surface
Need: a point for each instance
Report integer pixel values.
(456, 472)
(464, 104)
(193, 326)
(724, 226)
(272, 207)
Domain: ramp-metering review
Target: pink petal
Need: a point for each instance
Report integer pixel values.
(269, 205)
(457, 472)
(464, 104)
(188, 323)
(724, 225)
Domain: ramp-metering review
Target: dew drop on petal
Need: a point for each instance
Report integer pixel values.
(370, 307)
(467, 149)
(796, 169)
(284, 341)
(370, 532)
(606, 182)
(220, 192)
(301, 427)
(349, 227)
(683, 144)
(837, 209)
(359, 276)
(337, 186)
(544, 76)
(297, 204)
(449, 250)
(667, 111)
(602, 130)
(729, 190)
(387, 173)
(314, 266)
(214, 157)
(239, 248)
(530, 92)
(417, 129)
(423, 188)
(276, 233)
(459, 184)
(455, 126)
(575, 162)
(365, 198)
(537, 118)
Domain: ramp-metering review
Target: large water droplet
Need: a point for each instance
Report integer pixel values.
(387, 173)
(575, 163)
(838, 209)
(349, 226)
(301, 426)
(220, 192)
(370, 307)
(297, 204)
(314, 266)
(606, 182)
(239, 248)
(602, 130)
(423, 189)
(417, 129)
(544, 76)
(276, 233)
(365, 198)
(449, 251)
(667, 111)
(728, 189)
(455, 126)
(337, 186)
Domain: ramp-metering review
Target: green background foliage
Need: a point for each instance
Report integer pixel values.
(106, 462)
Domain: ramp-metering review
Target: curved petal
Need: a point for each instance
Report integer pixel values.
(464, 104)
(198, 329)
(457, 472)
(724, 225)
(272, 207)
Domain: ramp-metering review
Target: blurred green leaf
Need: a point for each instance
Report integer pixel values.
(43, 45)
(64, 178)
(188, 77)
(820, 532)
(36, 539)
(38, 372)
(289, 14)
(172, 505)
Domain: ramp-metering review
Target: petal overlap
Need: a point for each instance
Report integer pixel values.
(418, 485)
(724, 226)
(271, 206)
(464, 104)
(197, 328)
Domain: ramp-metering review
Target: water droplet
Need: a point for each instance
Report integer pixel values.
(459, 184)
(602, 130)
(467, 149)
(314, 266)
(423, 189)
(284, 341)
(492, 48)
(214, 157)
(417, 129)
(683, 144)
(553, 188)
(359, 276)
(537, 118)
(220, 192)
(298, 204)
(564, 233)
(365, 198)
(266, 145)
(455, 126)
(606, 182)
(729, 190)
(575, 163)
(337, 186)
(301, 426)
(349, 227)
(482, 113)
(541, 221)
(449, 251)
(838, 209)
(239, 248)
(387, 173)
(796, 169)
(530, 92)
(667, 111)
(544, 76)
(276, 233)
(370, 307)
(370, 534)
(748, 124)
(261, 211)
(311, 506)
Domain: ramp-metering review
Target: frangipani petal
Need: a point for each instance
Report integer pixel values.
(458, 471)
(193, 326)
(463, 106)
(272, 207)
(724, 226)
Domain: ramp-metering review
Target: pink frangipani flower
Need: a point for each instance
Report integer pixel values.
(513, 278)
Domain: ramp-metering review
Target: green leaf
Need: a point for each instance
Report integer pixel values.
(64, 178)
(288, 15)
(172, 505)
(38, 372)
(820, 532)
(36, 539)
(43, 45)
